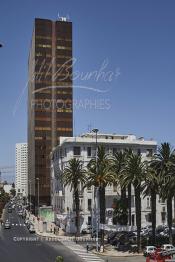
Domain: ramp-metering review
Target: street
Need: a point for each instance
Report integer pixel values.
(17, 243)
(11, 249)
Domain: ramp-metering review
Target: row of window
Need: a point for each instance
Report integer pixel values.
(49, 37)
(49, 128)
(58, 47)
(61, 110)
(59, 84)
(49, 119)
(77, 151)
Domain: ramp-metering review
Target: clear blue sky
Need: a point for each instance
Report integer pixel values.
(135, 36)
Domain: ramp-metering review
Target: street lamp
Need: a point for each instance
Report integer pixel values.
(96, 202)
(30, 194)
(38, 192)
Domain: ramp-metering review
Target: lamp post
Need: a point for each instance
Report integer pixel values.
(30, 194)
(96, 202)
(38, 192)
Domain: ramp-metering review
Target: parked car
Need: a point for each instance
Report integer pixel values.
(166, 232)
(167, 247)
(94, 234)
(86, 230)
(149, 250)
(111, 236)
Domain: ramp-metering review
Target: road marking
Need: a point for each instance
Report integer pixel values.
(82, 252)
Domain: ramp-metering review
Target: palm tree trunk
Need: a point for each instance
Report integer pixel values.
(77, 210)
(169, 213)
(129, 204)
(174, 207)
(153, 214)
(102, 212)
(138, 215)
(123, 195)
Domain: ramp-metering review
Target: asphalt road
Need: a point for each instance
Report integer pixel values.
(125, 259)
(15, 245)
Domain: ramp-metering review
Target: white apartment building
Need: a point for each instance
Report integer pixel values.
(21, 181)
(83, 147)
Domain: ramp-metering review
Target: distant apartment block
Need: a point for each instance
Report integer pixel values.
(21, 181)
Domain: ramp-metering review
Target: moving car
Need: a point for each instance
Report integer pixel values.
(149, 250)
(32, 228)
(7, 225)
(9, 210)
(20, 213)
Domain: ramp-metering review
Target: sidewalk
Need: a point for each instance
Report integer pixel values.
(115, 253)
(109, 250)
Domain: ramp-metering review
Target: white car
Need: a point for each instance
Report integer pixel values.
(32, 228)
(87, 230)
(167, 247)
(149, 250)
(7, 225)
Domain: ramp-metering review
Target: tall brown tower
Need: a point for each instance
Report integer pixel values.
(49, 100)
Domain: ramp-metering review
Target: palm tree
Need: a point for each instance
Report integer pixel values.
(164, 162)
(74, 175)
(150, 187)
(118, 166)
(100, 175)
(128, 153)
(134, 173)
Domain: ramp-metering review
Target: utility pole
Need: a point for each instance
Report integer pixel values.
(38, 193)
(30, 194)
(95, 130)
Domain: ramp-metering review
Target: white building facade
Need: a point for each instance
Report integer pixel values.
(84, 148)
(21, 179)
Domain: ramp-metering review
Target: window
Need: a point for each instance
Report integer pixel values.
(89, 204)
(89, 189)
(132, 201)
(148, 202)
(114, 188)
(149, 152)
(77, 151)
(89, 151)
(148, 218)
(64, 47)
(114, 150)
(138, 152)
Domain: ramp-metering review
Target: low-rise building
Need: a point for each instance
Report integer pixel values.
(84, 148)
(7, 188)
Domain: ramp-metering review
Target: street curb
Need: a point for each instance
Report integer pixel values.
(107, 255)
